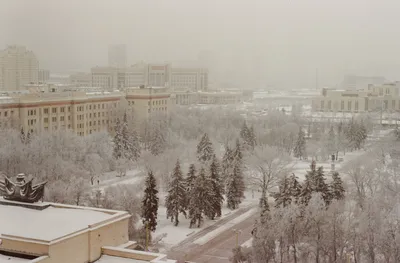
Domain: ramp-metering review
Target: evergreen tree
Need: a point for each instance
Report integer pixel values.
(127, 143)
(22, 136)
(320, 186)
(253, 139)
(300, 147)
(205, 149)
(336, 187)
(118, 139)
(28, 138)
(331, 143)
(200, 199)
(175, 201)
(150, 203)
(217, 189)
(307, 188)
(158, 142)
(136, 150)
(294, 188)
(190, 178)
(238, 154)
(227, 163)
(235, 189)
(283, 197)
(245, 133)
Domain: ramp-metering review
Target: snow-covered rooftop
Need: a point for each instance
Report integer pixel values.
(111, 259)
(10, 259)
(48, 224)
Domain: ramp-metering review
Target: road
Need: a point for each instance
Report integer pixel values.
(218, 249)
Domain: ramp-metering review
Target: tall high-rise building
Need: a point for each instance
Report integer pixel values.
(18, 67)
(117, 56)
(44, 75)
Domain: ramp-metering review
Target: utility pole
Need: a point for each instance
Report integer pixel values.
(237, 232)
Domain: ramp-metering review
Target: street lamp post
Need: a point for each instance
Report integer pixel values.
(237, 232)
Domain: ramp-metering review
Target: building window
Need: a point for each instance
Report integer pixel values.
(356, 106)
(62, 109)
(62, 118)
(69, 109)
(46, 120)
(54, 119)
(54, 110)
(322, 104)
(46, 111)
(349, 105)
(69, 118)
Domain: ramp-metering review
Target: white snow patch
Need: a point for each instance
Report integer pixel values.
(48, 224)
(9, 259)
(111, 259)
(211, 235)
(248, 243)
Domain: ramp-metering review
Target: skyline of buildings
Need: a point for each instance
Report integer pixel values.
(18, 66)
(117, 56)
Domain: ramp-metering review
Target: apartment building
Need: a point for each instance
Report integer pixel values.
(81, 79)
(185, 97)
(81, 110)
(373, 98)
(83, 113)
(112, 78)
(149, 102)
(18, 66)
(44, 75)
(194, 79)
(219, 97)
(117, 56)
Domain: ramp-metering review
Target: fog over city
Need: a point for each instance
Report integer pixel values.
(288, 40)
(207, 131)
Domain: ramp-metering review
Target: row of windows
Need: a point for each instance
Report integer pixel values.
(158, 102)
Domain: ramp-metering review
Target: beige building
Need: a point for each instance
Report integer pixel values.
(185, 97)
(81, 79)
(55, 233)
(44, 75)
(84, 112)
(149, 102)
(219, 97)
(383, 97)
(194, 79)
(112, 78)
(18, 66)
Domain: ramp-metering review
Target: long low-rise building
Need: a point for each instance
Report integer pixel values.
(83, 112)
(384, 97)
(55, 233)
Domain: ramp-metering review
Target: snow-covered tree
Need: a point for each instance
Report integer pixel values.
(190, 178)
(217, 189)
(200, 199)
(283, 197)
(227, 163)
(150, 203)
(268, 164)
(205, 150)
(320, 186)
(300, 147)
(235, 188)
(176, 199)
(336, 187)
(294, 188)
(158, 141)
(118, 140)
(307, 188)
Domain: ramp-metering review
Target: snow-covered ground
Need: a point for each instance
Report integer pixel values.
(175, 235)
(211, 235)
(132, 177)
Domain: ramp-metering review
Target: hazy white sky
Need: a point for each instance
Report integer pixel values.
(292, 37)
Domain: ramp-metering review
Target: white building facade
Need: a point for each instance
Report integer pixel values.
(18, 66)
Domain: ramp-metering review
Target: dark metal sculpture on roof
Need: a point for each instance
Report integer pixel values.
(21, 190)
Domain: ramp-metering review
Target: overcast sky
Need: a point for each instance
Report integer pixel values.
(288, 39)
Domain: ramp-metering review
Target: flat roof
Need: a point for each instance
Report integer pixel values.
(111, 259)
(50, 223)
(10, 259)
